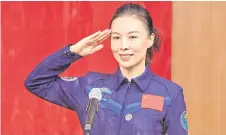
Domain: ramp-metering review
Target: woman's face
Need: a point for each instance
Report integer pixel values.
(129, 41)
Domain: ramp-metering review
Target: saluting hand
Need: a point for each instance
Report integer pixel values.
(90, 44)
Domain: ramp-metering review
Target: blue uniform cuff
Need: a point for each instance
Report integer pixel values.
(69, 52)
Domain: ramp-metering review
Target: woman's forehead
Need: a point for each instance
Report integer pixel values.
(128, 24)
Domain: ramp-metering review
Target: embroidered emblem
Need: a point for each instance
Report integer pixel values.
(69, 78)
(106, 91)
(184, 121)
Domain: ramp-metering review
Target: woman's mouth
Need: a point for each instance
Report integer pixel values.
(125, 57)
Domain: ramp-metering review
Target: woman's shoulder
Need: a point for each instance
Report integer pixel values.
(93, 76)
(171, 87)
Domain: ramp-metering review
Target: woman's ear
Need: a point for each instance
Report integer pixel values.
(151, 39)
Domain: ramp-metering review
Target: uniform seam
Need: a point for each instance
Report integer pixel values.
(46, 94)
(173, 101)
(151, 78)
(100, 77)
(44, 66)
(64, 93)
(174, 97)
(163, 85)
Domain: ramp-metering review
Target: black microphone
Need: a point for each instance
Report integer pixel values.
(95, 96)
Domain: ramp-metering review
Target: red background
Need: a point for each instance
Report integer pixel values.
(33, 30)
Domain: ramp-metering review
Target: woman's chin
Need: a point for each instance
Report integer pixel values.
(126, 65)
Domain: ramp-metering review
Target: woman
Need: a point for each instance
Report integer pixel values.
(135, 101)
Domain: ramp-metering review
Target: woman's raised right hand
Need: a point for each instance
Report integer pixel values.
(90, 44)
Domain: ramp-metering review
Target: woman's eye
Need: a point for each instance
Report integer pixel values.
(115, 38)
(133, 37)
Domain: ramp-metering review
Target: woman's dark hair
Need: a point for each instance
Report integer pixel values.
(143, 14)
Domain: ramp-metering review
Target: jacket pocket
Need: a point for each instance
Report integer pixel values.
(111, 128)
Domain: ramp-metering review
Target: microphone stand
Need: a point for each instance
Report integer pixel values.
(87, 129)
(91, 109)
(87, 133)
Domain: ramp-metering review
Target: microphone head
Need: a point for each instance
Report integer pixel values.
(95, 93)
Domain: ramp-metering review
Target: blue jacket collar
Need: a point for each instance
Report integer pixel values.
(142, 81)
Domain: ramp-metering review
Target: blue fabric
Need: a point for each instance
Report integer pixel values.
(111, 104)
(119, 95)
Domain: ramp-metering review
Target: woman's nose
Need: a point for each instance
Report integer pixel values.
(124, 45)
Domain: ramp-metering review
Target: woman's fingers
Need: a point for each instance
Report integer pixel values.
(92, 43)
(101, 36)
(96, 48)
(104, 36)
(94, 35)
(97, 43)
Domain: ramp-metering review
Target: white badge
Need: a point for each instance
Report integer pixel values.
(128, 117)
(68, 78)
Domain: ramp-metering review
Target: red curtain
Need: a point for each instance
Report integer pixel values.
(33, 30)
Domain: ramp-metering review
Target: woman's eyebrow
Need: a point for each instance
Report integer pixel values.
(128, 32)
(115, 33)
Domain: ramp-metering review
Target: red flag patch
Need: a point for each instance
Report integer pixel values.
(152, 102)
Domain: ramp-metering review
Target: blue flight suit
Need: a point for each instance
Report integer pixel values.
(120, 111)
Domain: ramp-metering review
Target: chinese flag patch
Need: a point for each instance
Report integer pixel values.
(152, 102)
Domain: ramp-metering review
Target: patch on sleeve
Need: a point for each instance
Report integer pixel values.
(184, 121)
(68, 78)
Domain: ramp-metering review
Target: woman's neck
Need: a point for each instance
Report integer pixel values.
(133, 72)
